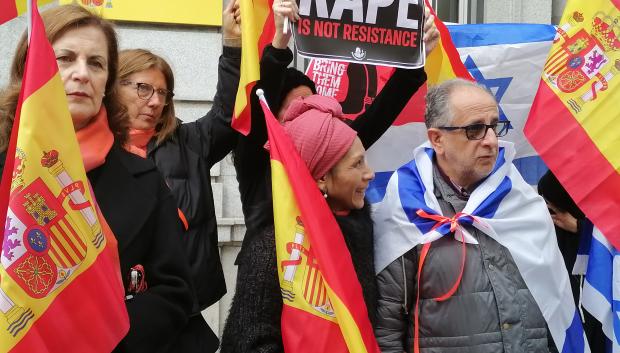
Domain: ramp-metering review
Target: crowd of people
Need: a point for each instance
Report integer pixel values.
(150, 173)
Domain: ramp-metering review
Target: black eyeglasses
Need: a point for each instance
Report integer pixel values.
(145, 91)
(479, 131)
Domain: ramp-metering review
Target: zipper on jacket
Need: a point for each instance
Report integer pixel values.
(405, 306)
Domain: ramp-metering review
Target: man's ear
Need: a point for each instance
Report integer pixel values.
(435, 137)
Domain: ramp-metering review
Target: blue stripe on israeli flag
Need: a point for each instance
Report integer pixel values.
(601, 290)
(480, 35)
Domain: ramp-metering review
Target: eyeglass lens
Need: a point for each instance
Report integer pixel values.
(478, 131)
(145, 91)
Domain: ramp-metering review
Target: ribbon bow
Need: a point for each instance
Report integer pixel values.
(441, 220)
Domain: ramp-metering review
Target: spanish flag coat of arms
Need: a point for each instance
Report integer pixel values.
(573, 123)
(324, 310)
(60, 285)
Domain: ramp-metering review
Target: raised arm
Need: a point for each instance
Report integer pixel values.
(379, 116)
(251, 159)
(212, 136)
(276, 58)
(399, 89)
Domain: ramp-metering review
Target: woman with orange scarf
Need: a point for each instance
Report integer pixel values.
(130, 193)
(184, 154)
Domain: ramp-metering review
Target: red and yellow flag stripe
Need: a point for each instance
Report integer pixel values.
(257, 30)
(573, 120)
(60, 288)
(444, 62)
(324, 310)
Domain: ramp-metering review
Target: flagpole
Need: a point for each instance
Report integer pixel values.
(261, 96)
(29, 17)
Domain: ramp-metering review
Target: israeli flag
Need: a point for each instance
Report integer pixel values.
(583, 251)
(506, 58)
(503, 207)
(601, 288)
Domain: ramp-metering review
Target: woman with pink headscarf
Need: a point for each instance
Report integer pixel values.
(335, 158)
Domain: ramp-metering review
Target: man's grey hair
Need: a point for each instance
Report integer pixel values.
(438, 112)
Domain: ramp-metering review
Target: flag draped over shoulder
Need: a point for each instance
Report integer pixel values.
(505, 208)
(60, 288)
(573, 123)
(9, 9)
(257, 30)
(324, 310)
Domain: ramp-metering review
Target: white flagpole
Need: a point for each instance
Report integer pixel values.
(29, 17)
(261, 96)
(286, 25)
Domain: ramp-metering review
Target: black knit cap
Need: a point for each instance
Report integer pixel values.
(293, 79)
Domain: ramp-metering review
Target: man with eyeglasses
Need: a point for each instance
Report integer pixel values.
(459, 117)
(450, 277)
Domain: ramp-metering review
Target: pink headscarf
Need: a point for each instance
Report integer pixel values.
(318, 133)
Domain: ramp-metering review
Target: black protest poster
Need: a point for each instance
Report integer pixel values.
(378, 32)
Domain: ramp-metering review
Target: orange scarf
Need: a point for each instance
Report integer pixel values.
(95, 140)
(138, 141)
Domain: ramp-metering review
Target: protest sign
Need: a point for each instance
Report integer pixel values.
(371, 32)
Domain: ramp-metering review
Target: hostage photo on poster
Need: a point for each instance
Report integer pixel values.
(379, 32)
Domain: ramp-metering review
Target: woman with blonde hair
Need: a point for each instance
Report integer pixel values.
(130, 192)
(184, 154)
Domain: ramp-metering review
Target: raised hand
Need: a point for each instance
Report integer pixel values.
(282, 10)
(231, 24)
(431, 33)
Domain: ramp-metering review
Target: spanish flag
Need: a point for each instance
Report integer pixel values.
(444, 62)
(60, 287)
(9, 9)
(573, 123)
(324, 310)
(257, 30)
